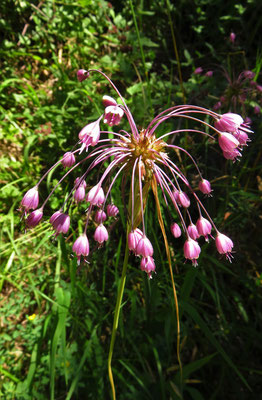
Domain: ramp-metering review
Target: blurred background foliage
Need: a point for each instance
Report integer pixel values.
(56, 318)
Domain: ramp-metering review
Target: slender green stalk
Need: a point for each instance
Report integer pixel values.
(142, 53)
(116, 319)
(176, 52)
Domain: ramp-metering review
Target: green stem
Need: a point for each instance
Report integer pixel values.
(116, 319)
(176, 51)
(142, 53)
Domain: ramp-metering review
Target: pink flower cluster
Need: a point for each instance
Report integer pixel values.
(144, 161)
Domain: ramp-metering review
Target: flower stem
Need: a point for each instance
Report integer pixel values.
(116, 319)
(161, 222)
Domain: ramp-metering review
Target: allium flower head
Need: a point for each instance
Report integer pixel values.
(143, 158)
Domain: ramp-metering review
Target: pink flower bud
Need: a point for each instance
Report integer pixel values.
(96, 196)
(227, 141)
(79, 194)
(81, 247)
(257, 110)
(113, 115)
(100, 216)
(204, 227)
(232, 37)
(101, 234)
(198, 71)
(90, 134)
(80, 191)
(108, 101)
(217, 106)
(224, 245)
(229, 122)
(112, 210)
(183, 199)
(30, 199)
(60, 222)
(82, 74)
(80, 181)
(192, 251)
(192, 231)
(232, 155)
(148, 265)
(144, 247)
(68, 159)
(133, 239)
(249, 74)
(205, 186)
(175, 230)
(209, 74)
(34, 218)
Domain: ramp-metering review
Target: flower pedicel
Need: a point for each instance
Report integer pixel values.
(145, 159)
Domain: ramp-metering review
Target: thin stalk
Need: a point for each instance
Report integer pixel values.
(116, 318)
(176, 52)
(142, 52)
(161, 222)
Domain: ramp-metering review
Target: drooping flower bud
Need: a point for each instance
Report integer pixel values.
(101, 234)
(192, 231)
(100, 216)
(192, 251)
(229, 122)
(68, 159)
(204, 227)
(90, 134)
(80, 191)
(30, 199)
(96, 196)
(198, 71)
(113, 115)
(60, 222)
(232, 155)
(175, 230)
(209, 74)
(108, 101)
(34, 218)
(133, 239)
(112, 210)
(232, 37)
(82, 74)
(148, 265)
(224, 245)
(144, 247)
(227, 141)
(205, 186)
(183, 199)
(81, 247)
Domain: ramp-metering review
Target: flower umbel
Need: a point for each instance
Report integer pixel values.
(144, 158)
